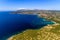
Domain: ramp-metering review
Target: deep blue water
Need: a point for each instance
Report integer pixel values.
(12, 23)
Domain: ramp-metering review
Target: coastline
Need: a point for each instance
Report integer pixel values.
(10, 38)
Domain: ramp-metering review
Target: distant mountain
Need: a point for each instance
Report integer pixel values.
(32, 11)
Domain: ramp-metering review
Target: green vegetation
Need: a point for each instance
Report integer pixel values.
(49, 32)
(56, 29)
(46, 33)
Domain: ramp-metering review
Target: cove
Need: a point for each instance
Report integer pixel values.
(12, 23)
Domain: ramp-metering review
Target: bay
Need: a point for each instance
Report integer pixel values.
(11, 24)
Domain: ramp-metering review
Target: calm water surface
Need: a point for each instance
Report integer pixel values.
(12, 23)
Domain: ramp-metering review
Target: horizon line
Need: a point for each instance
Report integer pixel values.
(15, 9)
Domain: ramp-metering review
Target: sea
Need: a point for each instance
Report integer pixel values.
(11, 24)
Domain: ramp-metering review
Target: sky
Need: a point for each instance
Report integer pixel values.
(6, 5)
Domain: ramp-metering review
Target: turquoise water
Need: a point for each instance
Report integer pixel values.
(13, 23)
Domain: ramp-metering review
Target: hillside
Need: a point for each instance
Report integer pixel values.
(49, 32)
